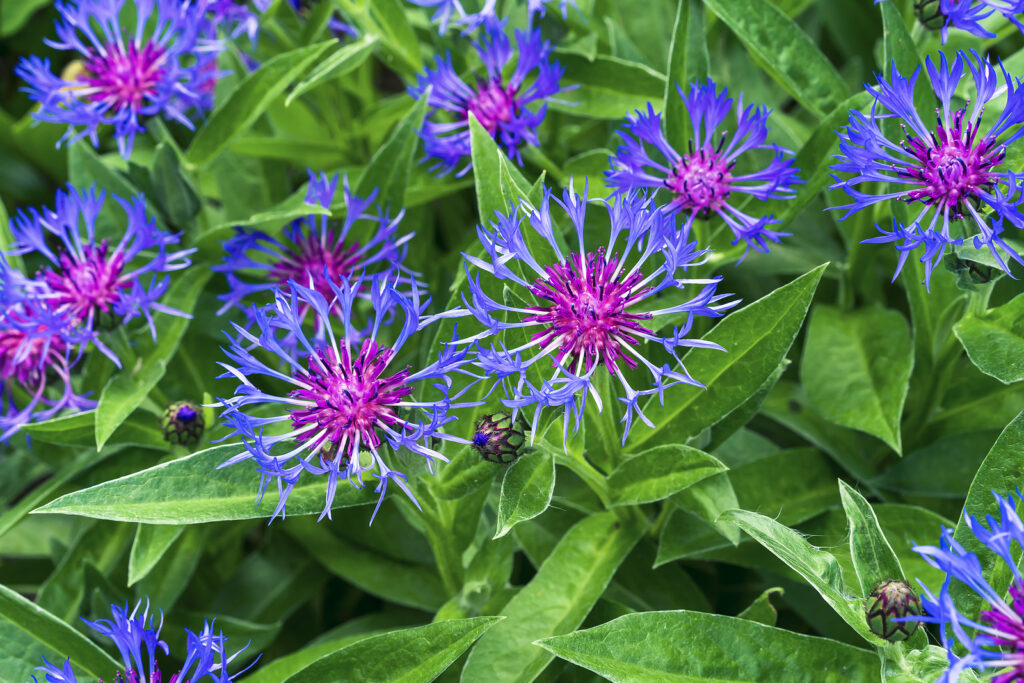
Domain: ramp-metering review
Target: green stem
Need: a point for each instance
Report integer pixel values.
(977, 298)
(590, 476)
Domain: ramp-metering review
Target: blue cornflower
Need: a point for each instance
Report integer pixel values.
(566, 315)
(346, 401)
(500, 101)
(94, 284)
(996, 641)
(165, 65)
(702, 180)
(951, 170)
(137, 638)
(237, 17)
(965, 15)
(317, 250)
(487, 13)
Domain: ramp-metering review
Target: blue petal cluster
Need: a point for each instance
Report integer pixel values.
(445, 9)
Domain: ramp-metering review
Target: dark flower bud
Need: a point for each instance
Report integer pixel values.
(183, 423)
(498, 438)
(892, 600)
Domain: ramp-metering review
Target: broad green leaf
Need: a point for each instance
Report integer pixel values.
(14, 15)
(465, 473)
(659, 472)
(411, 655)
(791, 486)
(610, 87)
(172, 190)
(127, 388)
(151, 543)
(873, 557)
(343, 61)
(28, 633)
(994, 340)
(397, 31)
(688, 647)
(687, 63)
(390, 166)
(79, 429)
(487, 160)
(556, 600)
(100, 545)
(166, 582)
(787, 53)
(762, 610)
(191, 490)
(818, 567)
(295, 206)
(525, 490)
(249, 100)
(756, 338)
(708, 499)
(856, 368)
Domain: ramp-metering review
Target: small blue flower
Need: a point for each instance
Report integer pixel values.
(704, 179)
(500, 101)
(347, 405)
(444, 10)
(953, 170)
(237, 17)
(566, 315)
(136, 636)
(994, 643)
(165, 65)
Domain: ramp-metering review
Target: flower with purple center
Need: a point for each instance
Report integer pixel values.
(136, 635)
(567, 317)
(164, 66)
(350, 400)
(444, 9)
(993, 642)
(965, 15)
(704, 179)
(951, 170)
(95, 282)
(500, 101)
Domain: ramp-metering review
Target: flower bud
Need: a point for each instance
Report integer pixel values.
(892, 600)
(183, 423)
(498, 438)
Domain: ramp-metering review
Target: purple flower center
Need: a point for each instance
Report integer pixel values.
(352, 399)
(320, 256)
(1010, 630)
(701, 181)
(26, 359)
(123, 77)
(587, 318)
(91, 285)
(953, 166)
(492, 104)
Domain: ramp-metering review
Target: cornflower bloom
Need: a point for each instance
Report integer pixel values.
(952, 171)
(347, 400)
(237, 16)
(488, 12)
(319, 250)
(163, 66)
(702, 180)
(995, 643)
(95, 284)
(502, 106)
(566, 315)
(137, 638)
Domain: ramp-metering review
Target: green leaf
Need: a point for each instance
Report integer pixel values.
(411, 655)
(390, 166)
(525, 490)
(787, 53)
(856, 368)
(126, 389)
(14, 15)
(610, 87)
(818, 567)
(295, 206)
(28, 633)
(756, 339)
(79, 429)
(994, 340)
(344, 60)
(687, 62)
(487, 166)
(688, 647)
(791, 485)
(902, 52)
(100, 545)
(555, 601)
(167, 581)
(191, 490)
(251, 99)
(397, 31)
(659, 472)
(152, 541)
(873, 557)
(172, 190)
(762, 610)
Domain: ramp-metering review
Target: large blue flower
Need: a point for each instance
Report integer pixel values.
(165, 65)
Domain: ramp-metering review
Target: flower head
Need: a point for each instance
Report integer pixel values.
(350, 400)
(500, 101)
(444, 9)
(499, 437)
(887, 605)
(183, 423)
(93, 282)
(136, 635)
(567, 316)
(705, 178)
(952, 170)
(994, 642)
(163, 65)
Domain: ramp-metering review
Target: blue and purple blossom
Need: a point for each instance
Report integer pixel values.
(136, 635)
(349, 401)
(237, 17)
(570, 316)
(995, 642)
(705, 179)
(164, 65)
(504, 103)
(445, 9)
(952, 170)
